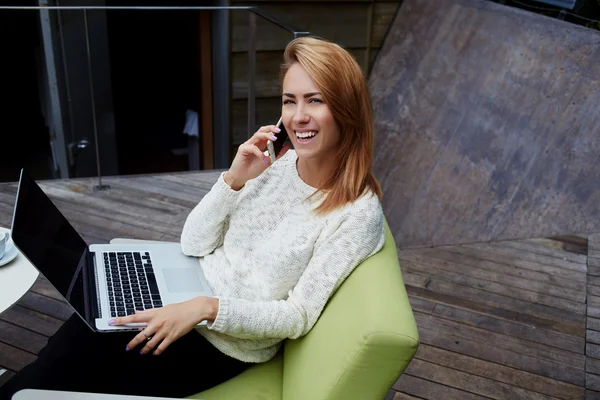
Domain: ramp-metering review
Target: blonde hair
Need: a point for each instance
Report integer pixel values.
(344, 89)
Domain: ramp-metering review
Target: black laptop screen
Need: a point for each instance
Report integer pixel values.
(49, 241)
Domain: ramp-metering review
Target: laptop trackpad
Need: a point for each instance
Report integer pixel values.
(182, 280)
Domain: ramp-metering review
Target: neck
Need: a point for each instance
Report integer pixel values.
(315, 172)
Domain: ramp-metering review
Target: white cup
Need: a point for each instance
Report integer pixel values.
(3, 242)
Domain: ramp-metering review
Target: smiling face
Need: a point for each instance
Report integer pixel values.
(307, 118)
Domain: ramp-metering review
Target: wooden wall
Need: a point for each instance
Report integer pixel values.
(358, 25)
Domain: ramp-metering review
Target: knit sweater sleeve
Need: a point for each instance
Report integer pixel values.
(343, 246)
(205, 226)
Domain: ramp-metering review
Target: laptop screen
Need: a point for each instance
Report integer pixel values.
(49, 241)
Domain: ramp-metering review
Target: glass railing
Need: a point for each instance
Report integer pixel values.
(75, 129)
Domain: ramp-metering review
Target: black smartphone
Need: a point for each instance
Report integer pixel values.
(274, 148)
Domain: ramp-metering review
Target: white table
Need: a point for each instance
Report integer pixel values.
(16, 278)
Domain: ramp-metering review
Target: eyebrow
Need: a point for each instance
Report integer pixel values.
(307, 95)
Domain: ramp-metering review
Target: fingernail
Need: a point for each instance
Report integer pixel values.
(141, 352)
(277, 130)
(273, 138)
(127, 348)
(154, 353)
(111, 322)
(266, 160)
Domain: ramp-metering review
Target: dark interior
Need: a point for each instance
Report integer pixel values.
(24, 135)
(155, 75)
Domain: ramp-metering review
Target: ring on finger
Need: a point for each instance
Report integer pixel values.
(144, 332)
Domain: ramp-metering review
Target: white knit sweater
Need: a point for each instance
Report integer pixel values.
(271, 261)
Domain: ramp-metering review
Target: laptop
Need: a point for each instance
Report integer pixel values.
(102, 281)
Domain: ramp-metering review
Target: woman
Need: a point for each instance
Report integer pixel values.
(275, 241)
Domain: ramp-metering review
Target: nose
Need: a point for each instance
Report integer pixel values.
(300, 116)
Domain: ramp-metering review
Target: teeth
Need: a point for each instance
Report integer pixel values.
(304, 135)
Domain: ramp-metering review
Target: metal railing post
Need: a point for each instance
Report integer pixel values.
(99, 186)
(251, 72)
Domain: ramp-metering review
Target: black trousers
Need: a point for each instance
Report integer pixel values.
(77, 359)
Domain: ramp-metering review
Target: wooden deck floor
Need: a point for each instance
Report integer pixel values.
(500, 321)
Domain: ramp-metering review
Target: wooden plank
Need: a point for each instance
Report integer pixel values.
(592, 336)
(592, 395)
(492, 287)
(43, 287)
(593, 301)
(68, 200)
(46, 305)
(548, 247)
(592, 350)
(404, 396)
(576, 244)
(593, 290)
(105, 222)
(6, 212)
(426, 389)
(511, 328)
(148, 197)
(14, 359)
(197, 187)
(93, 233)
(592, 365)
(498, 342)
(593, 268)
(150, 185)
(21, 338)
(558, 273)
(593, 323)
(348, 29)
(32, 320)
(415, 280)
(594, 281)
(501, 267)
(592, 382)
(454, 273)
(538, 366)
(499, 248)
(594, 241)
(470, 382)
(383, 16)
(508, 303)
(137, 200)
(499, 373)
(422, 305)
(471, 303)
(500, 273)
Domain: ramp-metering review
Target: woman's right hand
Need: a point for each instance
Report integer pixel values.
(250, 162)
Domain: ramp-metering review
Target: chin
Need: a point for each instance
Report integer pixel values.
(306, 153)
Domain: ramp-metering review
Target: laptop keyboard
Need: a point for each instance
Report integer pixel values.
(131, 283)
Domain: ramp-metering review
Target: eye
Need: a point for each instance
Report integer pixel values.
(315, 100)
(288, 101)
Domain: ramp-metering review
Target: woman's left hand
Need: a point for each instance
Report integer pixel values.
(167, 324)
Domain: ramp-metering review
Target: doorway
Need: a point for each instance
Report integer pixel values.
(155, 58)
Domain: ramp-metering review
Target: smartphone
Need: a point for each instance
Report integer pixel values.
(274, 148)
